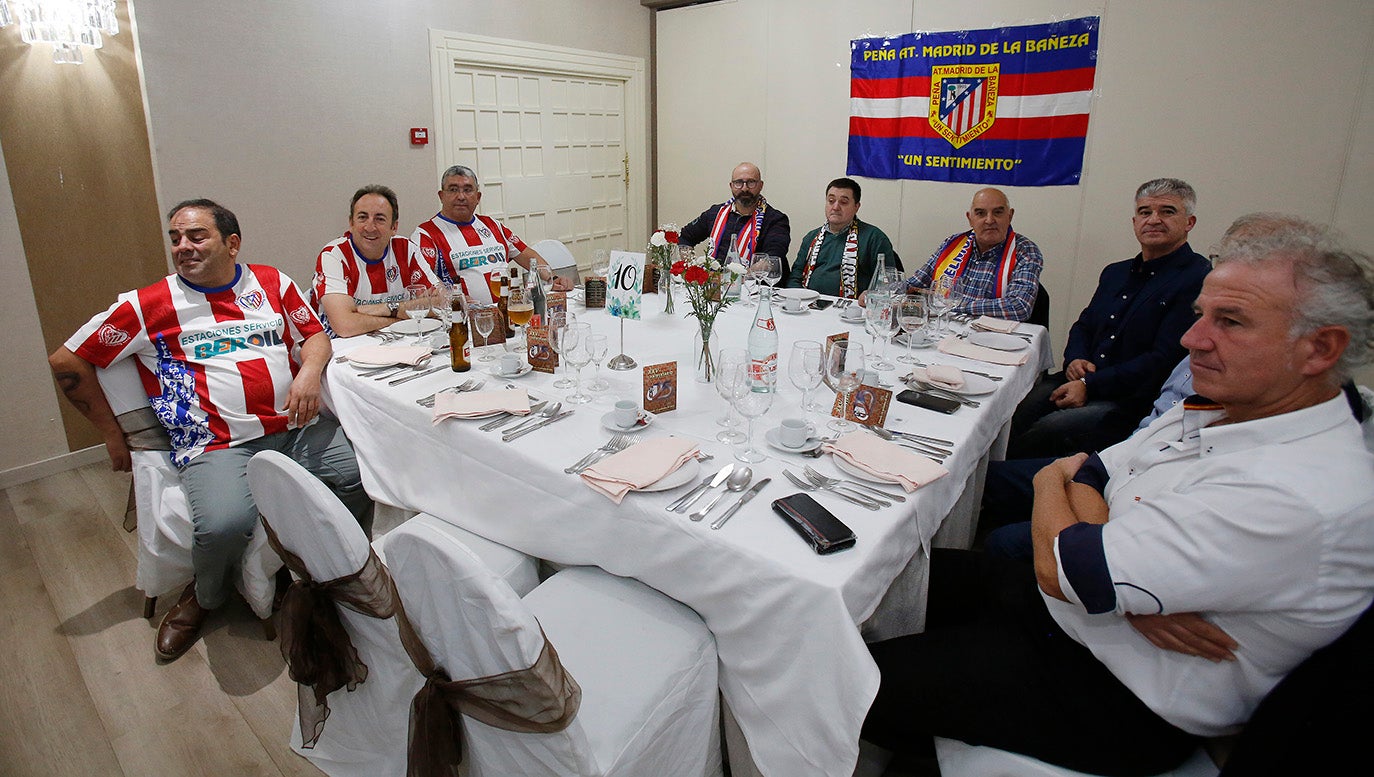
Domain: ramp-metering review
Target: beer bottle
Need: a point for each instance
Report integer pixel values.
(460, 344)
(503, 304)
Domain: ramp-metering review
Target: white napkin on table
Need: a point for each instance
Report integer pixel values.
(886, 460)
(942, 375)
(990, 324)
(475, 404)
(389, 354)
(638, 466)
(956, 347)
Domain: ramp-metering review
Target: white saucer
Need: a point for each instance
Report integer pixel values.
(855, 472)
(998, 341)
(801, 312)
(678, 477)
(772, 437)
(924, 342)
(646, 420)
(495, 370)
(805, 295)
(408, 327)
(857, 317)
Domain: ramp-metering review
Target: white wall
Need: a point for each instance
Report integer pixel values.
(1260, 105)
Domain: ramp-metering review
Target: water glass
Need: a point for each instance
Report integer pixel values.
(804, 368)
(843, 367)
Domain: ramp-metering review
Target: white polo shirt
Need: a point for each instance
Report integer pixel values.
(1265, 528)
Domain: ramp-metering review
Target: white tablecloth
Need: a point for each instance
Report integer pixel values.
(793, 666)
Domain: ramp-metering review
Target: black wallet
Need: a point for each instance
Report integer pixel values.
(817, 525)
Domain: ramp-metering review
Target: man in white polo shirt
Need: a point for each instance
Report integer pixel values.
(468, 249)
(1182, 573)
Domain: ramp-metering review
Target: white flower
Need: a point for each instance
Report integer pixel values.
(658, 240)
(735, 268)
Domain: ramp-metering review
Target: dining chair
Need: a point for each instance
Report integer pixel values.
(646, 665)
(560, 259)
(158, 508)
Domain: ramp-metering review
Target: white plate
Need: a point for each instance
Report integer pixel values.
(408, 327)
(805, 295)
(678, 477)
(855, 472)
(974, 386)
(772, 437)
(495, 370)
(608, 423)
(923, 341)
(998, 341)
(853, 314)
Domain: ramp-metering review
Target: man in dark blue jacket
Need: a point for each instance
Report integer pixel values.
(1125, 342)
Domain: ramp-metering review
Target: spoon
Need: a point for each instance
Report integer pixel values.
(738, 481)
(533, 418)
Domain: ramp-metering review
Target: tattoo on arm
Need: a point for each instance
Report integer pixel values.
(70, 383)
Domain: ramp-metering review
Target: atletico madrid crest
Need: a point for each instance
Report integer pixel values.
(963, 100)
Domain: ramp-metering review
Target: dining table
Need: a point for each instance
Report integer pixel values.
(790, 625)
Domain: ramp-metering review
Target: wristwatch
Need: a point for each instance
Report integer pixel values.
(392, 308)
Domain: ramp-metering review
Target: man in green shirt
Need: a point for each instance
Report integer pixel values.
(838, 258)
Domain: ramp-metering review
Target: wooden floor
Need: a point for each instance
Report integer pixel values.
(80, 691)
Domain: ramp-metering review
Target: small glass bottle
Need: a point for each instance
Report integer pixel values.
(460, 343)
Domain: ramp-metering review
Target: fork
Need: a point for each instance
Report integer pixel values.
(858, 499)
(617, 443)
(820, 479)
(934, 390)
(990, 377)
(471, 384)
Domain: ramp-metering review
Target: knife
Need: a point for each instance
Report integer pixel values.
(745, 497)
(429, 371)
(506, 418)
(507, 437)
(681, 505)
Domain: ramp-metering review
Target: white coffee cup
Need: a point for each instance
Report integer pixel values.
(626, 413)
(792, 304)
(793, 432)
(510, 363)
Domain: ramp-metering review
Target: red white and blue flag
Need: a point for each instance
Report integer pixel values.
(1005, 106)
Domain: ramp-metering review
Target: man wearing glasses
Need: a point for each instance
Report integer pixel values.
(745, 222)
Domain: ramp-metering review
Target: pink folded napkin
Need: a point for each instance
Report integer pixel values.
(942, 375)
(389, 354)
(476, 404)
(638, 466)
(956, 347)
(990, 324)
(886, 460)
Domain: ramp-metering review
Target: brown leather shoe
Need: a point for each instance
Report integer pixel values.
(180, 626)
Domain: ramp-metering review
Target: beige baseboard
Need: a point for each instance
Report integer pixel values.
(52, 466)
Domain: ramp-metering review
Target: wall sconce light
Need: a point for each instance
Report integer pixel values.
(66, 24)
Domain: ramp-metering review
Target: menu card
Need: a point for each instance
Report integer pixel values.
(542, 357)
(868, 405)
(556, 303)
(660, 387)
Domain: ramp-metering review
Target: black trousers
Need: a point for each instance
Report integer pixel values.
(1039, 429)
(993, 668)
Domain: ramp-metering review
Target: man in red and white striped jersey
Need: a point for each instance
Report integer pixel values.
(467, 249)
(214, 345)
(361, 278)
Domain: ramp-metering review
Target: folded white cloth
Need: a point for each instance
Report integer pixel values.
(638, 466)
(389, 354)
(990, 324)
(956, 347)
(477, 404)
(886, 460)
(942, 375)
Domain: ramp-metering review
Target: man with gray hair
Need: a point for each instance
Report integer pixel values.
(1180, 574)
(471, 250)
(1125, 341)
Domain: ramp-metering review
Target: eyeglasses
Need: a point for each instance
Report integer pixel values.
(741, 183)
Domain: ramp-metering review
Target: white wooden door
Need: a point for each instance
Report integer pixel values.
(551, 133)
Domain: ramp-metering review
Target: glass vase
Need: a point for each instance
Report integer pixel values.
(705, 346)
(665, 287)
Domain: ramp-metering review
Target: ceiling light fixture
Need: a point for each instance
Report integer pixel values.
(69, 25)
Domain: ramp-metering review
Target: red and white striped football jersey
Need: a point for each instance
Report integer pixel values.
(342, 269)
(216, 363)
(467, 253)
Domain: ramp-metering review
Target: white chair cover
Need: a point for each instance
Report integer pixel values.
(646, 664)
(365, 734)
(558, 256)
(959, 759)
(164, 518)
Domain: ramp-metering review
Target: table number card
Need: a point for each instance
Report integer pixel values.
(868, 406)
(624, 292)
(660, 387)
(556, 303)
(542, 357)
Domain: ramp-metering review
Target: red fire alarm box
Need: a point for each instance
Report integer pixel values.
(419, 136)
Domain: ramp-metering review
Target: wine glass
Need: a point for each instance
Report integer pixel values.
(732, 376)
(843, 365)
(804, 368)
(879, 322)
(416, 306)
(598, 346)
(519, 311)
(940, 305)
(601, 262)
(768, 268)
(573, 347)
(752, 402)
(562, 336)
(873, 320)
(911, 317)
(484, 321)
(440, 301)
